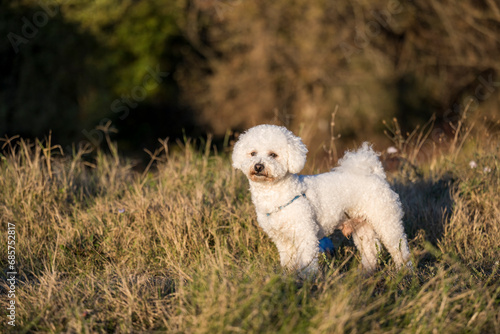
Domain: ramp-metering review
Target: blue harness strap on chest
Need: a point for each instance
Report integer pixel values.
(287, 204)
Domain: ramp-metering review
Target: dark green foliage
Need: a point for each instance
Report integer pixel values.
(71, 66)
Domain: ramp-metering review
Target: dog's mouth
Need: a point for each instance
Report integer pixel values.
(261, 176)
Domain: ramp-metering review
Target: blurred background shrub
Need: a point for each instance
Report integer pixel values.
(165, 68)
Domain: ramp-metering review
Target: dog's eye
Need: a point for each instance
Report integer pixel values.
(253, 154)
(273, 155)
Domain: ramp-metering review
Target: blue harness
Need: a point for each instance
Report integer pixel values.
(287, 204)
(325, 244)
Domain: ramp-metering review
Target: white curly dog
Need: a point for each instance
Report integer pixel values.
(296, 211)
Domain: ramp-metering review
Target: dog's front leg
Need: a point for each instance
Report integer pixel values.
(298, 248)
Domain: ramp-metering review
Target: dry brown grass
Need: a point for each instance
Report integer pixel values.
(102, 248)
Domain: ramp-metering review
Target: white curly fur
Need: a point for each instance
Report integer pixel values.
(354, 197)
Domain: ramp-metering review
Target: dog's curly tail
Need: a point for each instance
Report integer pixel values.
(363, 161)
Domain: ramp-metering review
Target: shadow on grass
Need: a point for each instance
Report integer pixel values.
(427, 205)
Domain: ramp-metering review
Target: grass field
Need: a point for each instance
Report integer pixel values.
(101, 248)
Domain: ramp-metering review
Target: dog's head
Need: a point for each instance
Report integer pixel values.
(267, 153)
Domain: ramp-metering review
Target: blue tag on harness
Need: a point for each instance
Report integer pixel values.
(326, 246)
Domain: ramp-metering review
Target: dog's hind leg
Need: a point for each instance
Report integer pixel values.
(394, 239)
(383, 212)
(367, 242)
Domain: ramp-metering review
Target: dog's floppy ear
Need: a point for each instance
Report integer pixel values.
(239, 153)
(296, 153)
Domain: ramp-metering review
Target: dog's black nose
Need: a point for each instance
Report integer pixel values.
(258, 168)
